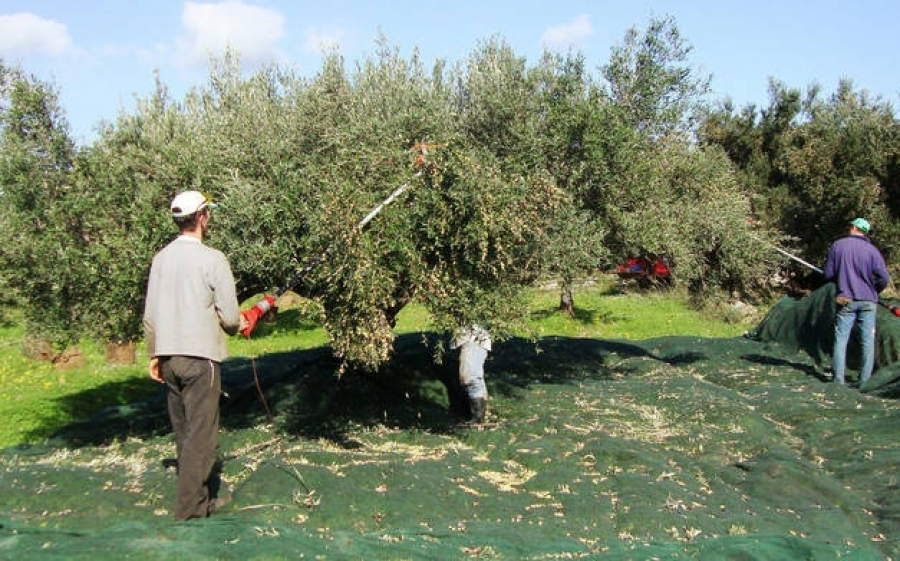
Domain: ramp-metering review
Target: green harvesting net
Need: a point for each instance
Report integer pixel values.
(807, 325)
(671, 448)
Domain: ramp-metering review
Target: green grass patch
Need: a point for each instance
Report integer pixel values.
(604, 311)
(36, 398)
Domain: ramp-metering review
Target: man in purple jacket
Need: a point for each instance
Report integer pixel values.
(859, 271)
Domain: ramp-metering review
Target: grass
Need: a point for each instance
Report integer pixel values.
(36, 398)
(603, 311)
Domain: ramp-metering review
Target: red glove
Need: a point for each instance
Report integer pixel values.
(257, 311)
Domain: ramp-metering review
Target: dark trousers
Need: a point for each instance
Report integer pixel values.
(194, 385)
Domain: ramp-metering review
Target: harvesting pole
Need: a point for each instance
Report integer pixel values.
(893, 309)
(268, 301)
(792, 256)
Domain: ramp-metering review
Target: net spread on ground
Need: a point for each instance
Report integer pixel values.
(677, 447)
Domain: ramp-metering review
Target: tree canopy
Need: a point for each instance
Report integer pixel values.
(812, 163)
(532, 171)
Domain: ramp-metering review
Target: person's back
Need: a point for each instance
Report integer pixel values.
(191, 302)
(191, 295)
(857, 268)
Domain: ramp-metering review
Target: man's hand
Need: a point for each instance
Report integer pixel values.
(155, 375)
(243, 323)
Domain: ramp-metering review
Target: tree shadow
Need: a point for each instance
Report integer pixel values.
(519, 363)
(580, 315)
(684, 358)
(245, 384)
(419, 388)
(310, 394)
(304, 395)
(138, 414)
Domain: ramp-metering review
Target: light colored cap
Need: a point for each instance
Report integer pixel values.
(862, 224)
(189, 202)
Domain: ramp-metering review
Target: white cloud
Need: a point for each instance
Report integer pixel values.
(568, 35)
(251, 31)
(24, 34)
(316, 40)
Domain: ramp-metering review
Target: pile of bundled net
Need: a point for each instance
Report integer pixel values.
(807, 325)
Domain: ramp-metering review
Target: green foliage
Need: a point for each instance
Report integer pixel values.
(650, 79)
(653, 190)
(538, 171)
(481, 240)
(44, 250)
(683, 203)
(128, 179)
(813, 164)
(493, 100)
(534, 120)
(835, 165)
(265, 182)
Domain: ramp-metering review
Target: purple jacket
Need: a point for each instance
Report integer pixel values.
(857, 267)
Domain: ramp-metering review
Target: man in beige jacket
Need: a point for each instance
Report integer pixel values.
(191, 304)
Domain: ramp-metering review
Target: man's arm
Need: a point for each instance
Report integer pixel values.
(225, 294)
(150, 331)
(880, 273)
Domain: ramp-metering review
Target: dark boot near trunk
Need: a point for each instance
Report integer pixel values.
(479, 409)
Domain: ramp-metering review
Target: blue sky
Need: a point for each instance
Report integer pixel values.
(101, 54)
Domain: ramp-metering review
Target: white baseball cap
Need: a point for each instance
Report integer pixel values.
(189, 202)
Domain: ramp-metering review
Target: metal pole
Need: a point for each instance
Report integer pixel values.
(790, 255)
(298, 276)
(797, 259)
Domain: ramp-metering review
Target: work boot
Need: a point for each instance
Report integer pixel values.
(479, 409)
(219, 500)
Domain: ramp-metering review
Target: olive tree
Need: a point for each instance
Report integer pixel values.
(812, 163)
(88, 220)
(835, 162)
(127, 178)
(650, 78)
(43, 249)
(533, 119)
(464, 238)
(656, 191)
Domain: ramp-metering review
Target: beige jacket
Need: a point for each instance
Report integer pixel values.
(191, 302)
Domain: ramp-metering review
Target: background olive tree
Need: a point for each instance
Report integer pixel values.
(657, 193)
(43, 250)
(812, 163)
